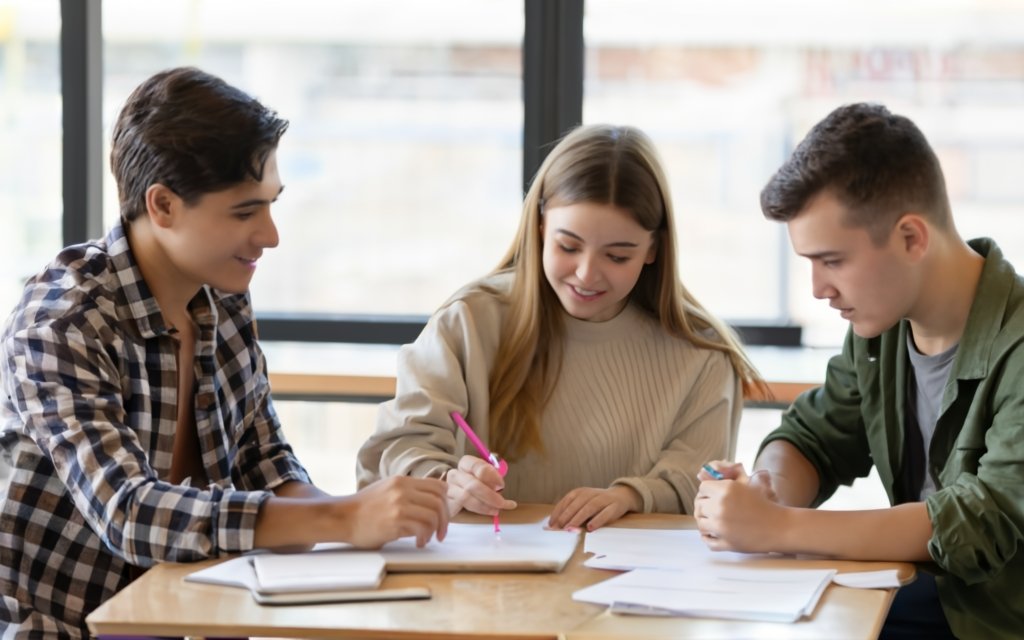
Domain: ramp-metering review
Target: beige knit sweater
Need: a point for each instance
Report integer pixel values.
(633, 406)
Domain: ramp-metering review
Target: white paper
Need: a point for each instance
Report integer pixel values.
(327, 569)
(475, 547)
(623, 549)
(236, 572)
(884, 579)
(780, 595)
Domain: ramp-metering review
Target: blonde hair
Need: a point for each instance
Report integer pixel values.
(600, 164)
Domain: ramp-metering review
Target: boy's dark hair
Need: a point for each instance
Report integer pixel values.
(879, 165)
(193, 133)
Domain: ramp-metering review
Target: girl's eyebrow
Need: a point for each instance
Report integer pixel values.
(610, 244)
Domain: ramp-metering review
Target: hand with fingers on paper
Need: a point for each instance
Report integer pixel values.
(593, 507)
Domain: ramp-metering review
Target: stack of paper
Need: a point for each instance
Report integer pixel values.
(776, 595)
(673, 572)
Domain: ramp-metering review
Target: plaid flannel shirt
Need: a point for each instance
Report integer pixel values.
(88, 419)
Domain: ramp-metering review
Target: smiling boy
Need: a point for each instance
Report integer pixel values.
(136, 411)
(929, 387)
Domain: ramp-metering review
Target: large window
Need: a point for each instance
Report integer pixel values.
(30, 142)
(728, 88)
(403, 162)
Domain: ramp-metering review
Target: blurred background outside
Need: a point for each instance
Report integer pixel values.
(404, 158)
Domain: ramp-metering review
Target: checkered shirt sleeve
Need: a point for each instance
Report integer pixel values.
(88, 414)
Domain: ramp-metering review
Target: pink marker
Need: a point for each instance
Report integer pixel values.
(498, 463)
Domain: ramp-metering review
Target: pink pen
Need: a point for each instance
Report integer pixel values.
(498, 463)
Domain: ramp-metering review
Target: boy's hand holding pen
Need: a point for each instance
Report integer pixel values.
(711, 471)
(723, 470)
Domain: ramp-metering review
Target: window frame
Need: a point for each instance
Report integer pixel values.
(553, 58)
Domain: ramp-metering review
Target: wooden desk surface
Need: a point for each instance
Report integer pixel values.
(470, 606)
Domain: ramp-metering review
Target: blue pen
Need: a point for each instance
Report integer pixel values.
(715, 473)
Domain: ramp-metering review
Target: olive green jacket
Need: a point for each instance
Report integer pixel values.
(976, 458)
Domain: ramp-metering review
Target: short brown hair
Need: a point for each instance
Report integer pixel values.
(879, 165)
(192, 132)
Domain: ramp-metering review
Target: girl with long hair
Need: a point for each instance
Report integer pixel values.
(581, 359)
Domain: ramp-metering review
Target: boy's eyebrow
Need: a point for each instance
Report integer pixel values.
(610, 244)
(821, 255)
(257, 201)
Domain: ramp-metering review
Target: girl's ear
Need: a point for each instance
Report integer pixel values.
(161, 204)
(652, 252)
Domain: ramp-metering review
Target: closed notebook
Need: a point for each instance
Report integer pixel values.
(321, 571)
(307, 588)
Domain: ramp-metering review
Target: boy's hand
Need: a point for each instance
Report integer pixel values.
(733, 515)
(397, 507)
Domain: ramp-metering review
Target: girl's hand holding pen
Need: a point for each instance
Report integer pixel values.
(475, 486)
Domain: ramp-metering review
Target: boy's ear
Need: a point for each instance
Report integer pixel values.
(914, 234)
(160, 205)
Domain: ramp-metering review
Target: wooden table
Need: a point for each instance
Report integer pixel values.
(347, 373)
(468, 605)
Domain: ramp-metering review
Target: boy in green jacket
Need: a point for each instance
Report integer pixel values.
(929, 387)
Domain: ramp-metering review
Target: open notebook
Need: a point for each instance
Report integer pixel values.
(336, 572)
(475, 547)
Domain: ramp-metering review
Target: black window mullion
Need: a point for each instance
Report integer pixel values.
(397, 329)
(552, 77)
(81, 74)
